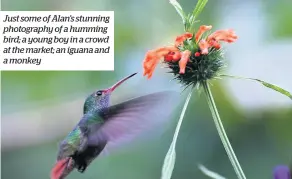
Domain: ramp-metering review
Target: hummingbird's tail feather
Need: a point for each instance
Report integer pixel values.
(126, 120)
(59, 169)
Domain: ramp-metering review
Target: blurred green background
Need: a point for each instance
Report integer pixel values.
(40, 108)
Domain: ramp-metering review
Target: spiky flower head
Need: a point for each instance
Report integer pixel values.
(195, 56)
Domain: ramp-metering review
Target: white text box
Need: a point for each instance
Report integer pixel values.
(57, 40)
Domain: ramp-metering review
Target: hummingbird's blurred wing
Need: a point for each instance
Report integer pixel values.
(128, 119)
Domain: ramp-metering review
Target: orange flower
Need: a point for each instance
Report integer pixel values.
(201, 31)
(169, 57)
(213, 40)
(161, 52)
(180, 39)
(149, 63)
(215, 44)
(172, 56)
(153, 57)
(227, 35)
(184, 60)
(204, 45)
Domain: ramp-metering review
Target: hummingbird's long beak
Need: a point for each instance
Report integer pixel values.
(111, 89)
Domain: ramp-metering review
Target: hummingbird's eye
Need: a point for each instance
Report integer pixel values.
(98, 93)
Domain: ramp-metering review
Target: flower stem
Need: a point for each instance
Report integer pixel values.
(222, 133)
(169, 161)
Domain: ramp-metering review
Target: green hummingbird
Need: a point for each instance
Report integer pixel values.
(103, 125)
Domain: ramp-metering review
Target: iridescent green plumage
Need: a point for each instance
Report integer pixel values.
(74, 137)
(85, 126)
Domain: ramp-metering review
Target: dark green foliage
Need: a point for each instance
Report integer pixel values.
(199, 69)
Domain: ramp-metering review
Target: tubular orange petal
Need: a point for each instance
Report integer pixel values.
(150, 67)
(149, 56)
(172, 56)
(184, 60)
(161, 52)
(227, 35)
(152, 59)
(188, 35)
(169, 57)
(215, 44)
(201, 31)
(176, 56)
(149, 62)
(203, 44)
(180, 39)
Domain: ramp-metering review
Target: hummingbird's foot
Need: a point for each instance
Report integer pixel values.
(81, 168)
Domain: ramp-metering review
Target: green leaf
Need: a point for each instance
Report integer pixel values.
(179, 9)
(210, 173)
(189, 19)
(169, 160)
(269, 85)
(198, 9)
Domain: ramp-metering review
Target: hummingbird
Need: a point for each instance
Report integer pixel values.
(103, 125)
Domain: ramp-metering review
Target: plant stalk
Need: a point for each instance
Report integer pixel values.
(169, 161)
(222, 133)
